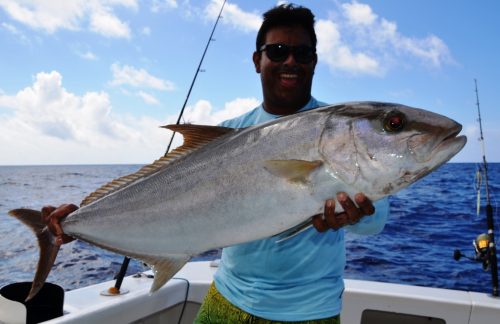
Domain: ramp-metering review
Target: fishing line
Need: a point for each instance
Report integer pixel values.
(479, 180)
(188, 285)
(477, 184)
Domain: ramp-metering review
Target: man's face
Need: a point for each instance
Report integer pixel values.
(286, 85)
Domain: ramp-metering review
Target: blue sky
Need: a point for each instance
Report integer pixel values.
(90, 81)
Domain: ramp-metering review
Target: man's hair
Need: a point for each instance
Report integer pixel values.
(287, 15)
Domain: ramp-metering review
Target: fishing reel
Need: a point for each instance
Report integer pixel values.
(482, 248)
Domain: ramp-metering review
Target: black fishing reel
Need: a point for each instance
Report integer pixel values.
(482, 247)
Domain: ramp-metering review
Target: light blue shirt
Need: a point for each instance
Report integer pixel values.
(298, 279)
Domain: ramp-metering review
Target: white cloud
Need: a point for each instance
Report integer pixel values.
(159, 5)
(53, 15)
(359, 14)
(88, 55)
(16, 32)
(146, 31)
(430, 49)
(46, 15)
(105, 23)
(358, 41)
(202, 111)
(11, 28)
(471, 131)
(47, 109)
(49, 124)
(140, 78)
(234, 16)
(148, 98)
(383, 36)
(45, 123)
(337, 55)
(133, 4)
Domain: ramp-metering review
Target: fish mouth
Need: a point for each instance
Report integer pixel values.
(450, 145)
(453, 133)
(438, 146)
(453, 138)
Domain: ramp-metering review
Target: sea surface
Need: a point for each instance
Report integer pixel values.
(428, 221)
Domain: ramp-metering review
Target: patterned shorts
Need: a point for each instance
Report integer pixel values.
(218, 310)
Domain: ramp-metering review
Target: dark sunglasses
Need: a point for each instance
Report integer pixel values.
(302, 54)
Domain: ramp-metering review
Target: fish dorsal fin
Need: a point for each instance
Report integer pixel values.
(195, 136)
(121, 182)
(292, 170)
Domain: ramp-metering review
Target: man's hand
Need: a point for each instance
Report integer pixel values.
(52, 216)
(350, 215)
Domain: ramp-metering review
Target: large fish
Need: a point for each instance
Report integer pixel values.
(227, 186)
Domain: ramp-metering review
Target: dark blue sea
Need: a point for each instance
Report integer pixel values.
(428, 221)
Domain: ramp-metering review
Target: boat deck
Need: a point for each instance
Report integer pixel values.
(364, 302)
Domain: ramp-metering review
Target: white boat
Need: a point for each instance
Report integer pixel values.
(365, 302)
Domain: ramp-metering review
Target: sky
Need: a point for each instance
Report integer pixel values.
(91, 81)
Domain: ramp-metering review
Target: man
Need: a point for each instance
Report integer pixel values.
(301, 278)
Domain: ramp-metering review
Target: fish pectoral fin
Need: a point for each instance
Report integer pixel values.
(291, 232)
(292, 170)
(165, 268)
(48, 250)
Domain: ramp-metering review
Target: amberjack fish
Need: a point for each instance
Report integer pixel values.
(227, 186)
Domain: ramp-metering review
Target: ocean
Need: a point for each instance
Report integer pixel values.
(428, 221)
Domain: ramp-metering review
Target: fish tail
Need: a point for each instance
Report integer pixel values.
(46, 242)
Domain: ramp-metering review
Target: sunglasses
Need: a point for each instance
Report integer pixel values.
(302, 54)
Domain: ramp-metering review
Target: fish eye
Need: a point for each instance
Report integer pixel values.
(394, 122)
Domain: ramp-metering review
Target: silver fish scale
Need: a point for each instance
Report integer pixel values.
(222, 195)
(221, 188)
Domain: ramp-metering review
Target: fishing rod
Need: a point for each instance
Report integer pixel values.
(485, 243)
(198, 70)
(492, 255)
(119, 277)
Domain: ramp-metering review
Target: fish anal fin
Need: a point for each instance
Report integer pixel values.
(48, 250)
(292, 170)
(195, 136)
(165, 268)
